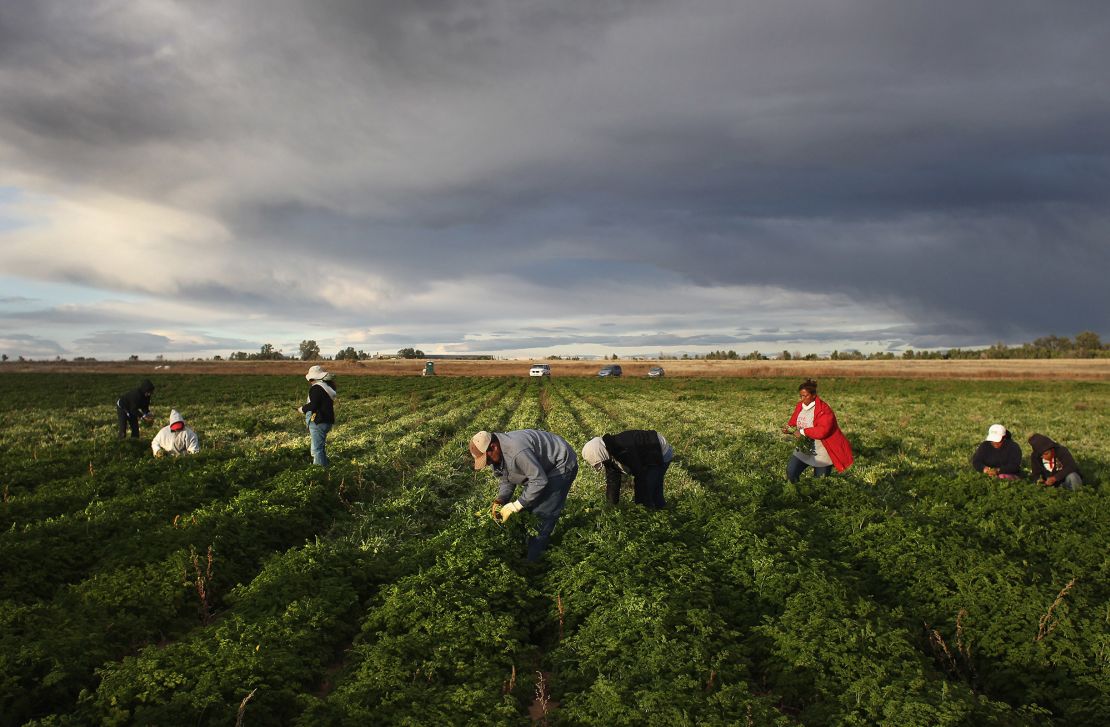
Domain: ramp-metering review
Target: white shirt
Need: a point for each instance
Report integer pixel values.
(819, 457)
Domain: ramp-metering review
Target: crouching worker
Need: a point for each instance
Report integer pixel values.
(542, 463)
(176, 438)
(998, 455)
(1052, 464)
(642, 453)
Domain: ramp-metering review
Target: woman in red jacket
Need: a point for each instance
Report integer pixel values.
(821, 444)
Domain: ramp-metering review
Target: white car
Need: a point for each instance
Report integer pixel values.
(540, 370)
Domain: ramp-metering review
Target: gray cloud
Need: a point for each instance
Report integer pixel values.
(15, 345)
(946, 164)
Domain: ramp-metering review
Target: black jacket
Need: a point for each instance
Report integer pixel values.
(1006, 459)
(137, 401)
(636, 450)
(321, 405)
(1065, 465)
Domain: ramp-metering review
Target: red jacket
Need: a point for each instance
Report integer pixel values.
(825, 428)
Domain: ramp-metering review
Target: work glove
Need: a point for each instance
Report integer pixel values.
(494, 509)
(159, 454)
(507, 511)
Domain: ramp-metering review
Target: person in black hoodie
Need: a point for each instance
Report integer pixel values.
(319, 411)
(1052, 464)
(642, 453)
(998, 455)
(133, 404)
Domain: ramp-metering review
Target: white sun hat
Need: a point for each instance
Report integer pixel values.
(317, 373)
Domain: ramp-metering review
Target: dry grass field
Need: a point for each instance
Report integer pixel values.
(1014, 369)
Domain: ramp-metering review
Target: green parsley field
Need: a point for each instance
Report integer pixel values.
(244, 585)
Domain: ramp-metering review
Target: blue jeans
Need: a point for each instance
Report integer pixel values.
(538, 544)
(318, 434)
(795, 467)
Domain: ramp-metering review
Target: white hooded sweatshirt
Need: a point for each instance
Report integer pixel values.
(180, 442)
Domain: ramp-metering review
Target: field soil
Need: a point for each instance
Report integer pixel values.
(1014, 369)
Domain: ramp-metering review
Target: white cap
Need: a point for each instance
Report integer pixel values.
(317, 373)
(996, 433)
(595, 452)
(479, 443)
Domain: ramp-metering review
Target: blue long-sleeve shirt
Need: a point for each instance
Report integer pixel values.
(533, 458)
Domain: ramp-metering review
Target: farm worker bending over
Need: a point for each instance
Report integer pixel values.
(998, 455)
(821, 444)
(319, 411)
(642, 453)
(1052, 464)
(542, 463)
(132, 405)
(176, 438)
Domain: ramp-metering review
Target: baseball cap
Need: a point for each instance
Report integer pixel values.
(996, 433)
(479, 443)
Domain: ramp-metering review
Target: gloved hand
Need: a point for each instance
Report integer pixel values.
(159, 453)
(300, 409)
(494, 509)
(509, 510)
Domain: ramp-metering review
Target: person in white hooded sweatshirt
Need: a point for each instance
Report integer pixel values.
(175, 438)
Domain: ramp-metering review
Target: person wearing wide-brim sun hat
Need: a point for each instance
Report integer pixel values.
(319, 411)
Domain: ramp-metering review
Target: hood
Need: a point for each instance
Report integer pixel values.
(595, 452)
(175, 417)
(1040, 443)
(147, 386)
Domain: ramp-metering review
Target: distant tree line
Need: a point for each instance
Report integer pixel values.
(1085, 345)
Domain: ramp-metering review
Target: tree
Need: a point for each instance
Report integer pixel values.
(4, 357)
(410, 353)
(310, 351)
(785, 355)
(347, 354)
(1087, 344)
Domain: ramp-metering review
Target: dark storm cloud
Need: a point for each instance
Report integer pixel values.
(947, 162)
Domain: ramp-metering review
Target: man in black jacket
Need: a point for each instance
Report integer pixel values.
(1052, 464)
(133, 404)
(642, 453)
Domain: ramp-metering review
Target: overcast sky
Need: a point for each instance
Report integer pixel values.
(520, 177)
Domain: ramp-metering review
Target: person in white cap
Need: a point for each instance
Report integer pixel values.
(542, 463)
(319, 411)
(998, 455)
(642, 453)
(176, 438)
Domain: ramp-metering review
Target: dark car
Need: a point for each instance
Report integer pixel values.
(656, 371)
(613, 370)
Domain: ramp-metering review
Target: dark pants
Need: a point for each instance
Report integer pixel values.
(538, 544)
(647, 489)
(126, 418)
(795, 467)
